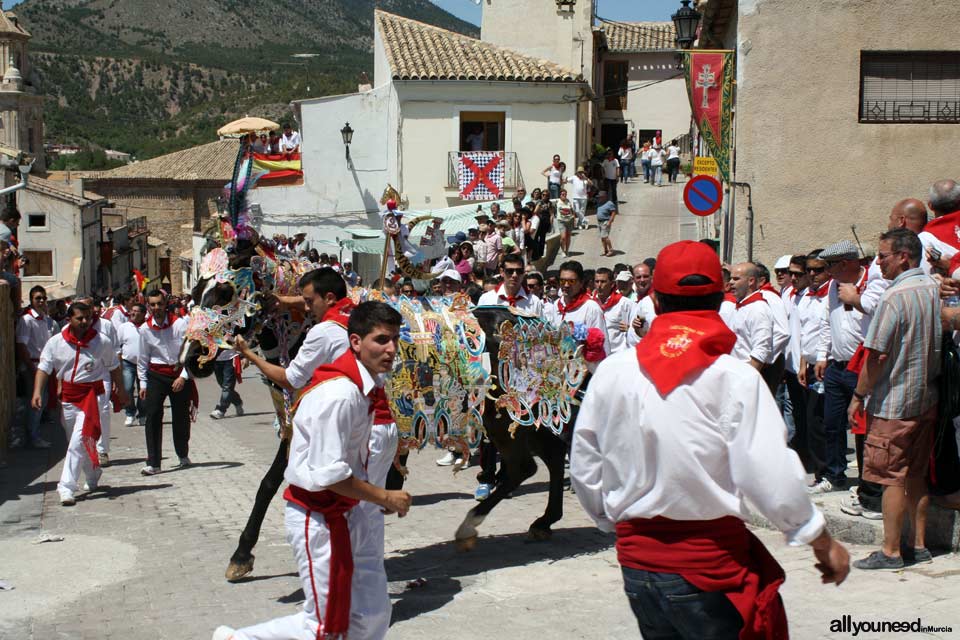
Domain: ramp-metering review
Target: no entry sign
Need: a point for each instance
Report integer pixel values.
(703, 195)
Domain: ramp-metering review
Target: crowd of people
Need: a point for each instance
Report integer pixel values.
(275, 142)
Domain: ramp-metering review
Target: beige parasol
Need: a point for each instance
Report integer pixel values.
(247, 125)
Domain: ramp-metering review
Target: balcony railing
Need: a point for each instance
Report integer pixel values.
(512, 178)
(921, 111)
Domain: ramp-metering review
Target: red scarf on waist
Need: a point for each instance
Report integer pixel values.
(173, 371)
(333, 507)
(719, 555)
(756, 296)
(574, 305)
(946, 228)
(682, 344)
(83, 395)
(612, 300)
(340, 312)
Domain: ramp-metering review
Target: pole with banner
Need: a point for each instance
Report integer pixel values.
(709, 76)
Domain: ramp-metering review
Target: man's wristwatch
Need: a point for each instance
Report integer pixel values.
(859, 396)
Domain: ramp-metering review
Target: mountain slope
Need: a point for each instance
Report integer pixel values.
(151, 76)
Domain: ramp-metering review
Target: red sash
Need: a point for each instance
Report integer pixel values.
(682, 344)
(83, 395)
(719, 555)
(172, 371)
(333, 506)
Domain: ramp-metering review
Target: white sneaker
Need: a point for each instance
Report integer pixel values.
(149, 471)
(129, 421)
(92, 485)
(447, 460)
(223, 633)
(216, 414)
(463, 463)
(183, 463)
(824, 486)
(67, 499)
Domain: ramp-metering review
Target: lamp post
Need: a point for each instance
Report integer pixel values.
(347, 134)
(685, 23)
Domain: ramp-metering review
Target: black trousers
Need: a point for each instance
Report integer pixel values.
(772, 374)
(810, 440)
(488, 464)
(159, 388)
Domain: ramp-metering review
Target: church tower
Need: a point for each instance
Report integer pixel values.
(21, 110)
(560, 31)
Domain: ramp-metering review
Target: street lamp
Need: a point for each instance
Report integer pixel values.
(347, 134)
(685, 22)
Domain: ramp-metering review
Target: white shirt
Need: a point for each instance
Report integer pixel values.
(331, 434)
(588, 314)
(160, 346)
(702, 452)
(673, 152)
(810, 310)
(324, 343)
(781, 325)
(578, 188)
(753, 324)
(621, 312)
(791, 302)
(643, 307)
(625, 153)
(930, 241)
(655, 156)
(554, 175)
(525, 301)
(610, 168)
(841, 329)
(94, 363)
(129, 337)
(106, 329)
(290, 142)
(728, 313)
(34, 333)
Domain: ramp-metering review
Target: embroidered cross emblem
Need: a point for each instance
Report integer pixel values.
(706, 80)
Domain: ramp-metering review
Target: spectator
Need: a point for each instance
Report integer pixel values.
(673, 161)
(351, 276)
(290, 140)
(554, 175)
(611, 173)
(261, 144)
(128, 337)
(9, 221)
(645, 162)
(225, 368)
(567, 221)
(656, 165)
(899, 376)
(606, 214)
(273, 143)
(580, 185)
(34, 328)
(625, 154)
(494, 245)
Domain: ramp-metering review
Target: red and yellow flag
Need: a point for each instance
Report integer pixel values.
(709, 76)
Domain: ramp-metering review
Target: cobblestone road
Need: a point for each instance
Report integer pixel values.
(144, 557)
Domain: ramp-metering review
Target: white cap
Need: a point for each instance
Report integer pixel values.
(453, 274)
(783, 262)
(624, 276)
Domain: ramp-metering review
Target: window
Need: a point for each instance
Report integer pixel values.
(39, 263)
(615, 84)
(910, 86)
(36, 221)
(482, 130)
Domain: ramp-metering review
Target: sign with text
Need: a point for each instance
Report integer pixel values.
(705, 165)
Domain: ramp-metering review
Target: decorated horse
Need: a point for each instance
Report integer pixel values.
(461, 372)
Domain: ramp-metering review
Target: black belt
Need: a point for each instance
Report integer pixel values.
(838, 363)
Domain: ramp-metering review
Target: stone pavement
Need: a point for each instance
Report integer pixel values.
(144, 557)
(649, 219)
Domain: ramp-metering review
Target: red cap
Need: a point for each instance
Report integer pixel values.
(686, 258)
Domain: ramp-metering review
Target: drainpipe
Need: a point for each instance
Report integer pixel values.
(749, 217)
(24, 172)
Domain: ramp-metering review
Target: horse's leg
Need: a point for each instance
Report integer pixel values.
(241, 563)
(519, 465)
(554, 450)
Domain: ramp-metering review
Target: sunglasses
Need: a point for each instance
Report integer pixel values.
(513, 272)
(564, 281)
(816, 269)
(796, 274)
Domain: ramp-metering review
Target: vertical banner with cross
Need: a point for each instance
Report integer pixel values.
(480, 175)
(709, 76)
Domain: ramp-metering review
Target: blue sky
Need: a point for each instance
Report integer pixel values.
(630, 10)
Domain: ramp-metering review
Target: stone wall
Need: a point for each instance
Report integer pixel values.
(8, 385)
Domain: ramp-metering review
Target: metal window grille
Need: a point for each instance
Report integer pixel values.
(910, 86)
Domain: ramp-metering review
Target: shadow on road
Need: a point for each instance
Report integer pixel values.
(433, 498)
(439, 569)
(112, 493)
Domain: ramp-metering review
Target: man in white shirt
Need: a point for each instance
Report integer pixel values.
(617, 311)
(780, 338)
(290, 140)
(128, 337)
(327, 473)
(670, 459)
(643, 312)
(80, 357)
(579, 194)
(753, 322)
(655, 155)
(576, 307)
(611, 173)
(109, 332)
(912, 214)
(812, 445)
(119, 313)
(34, 328)
(512, 293)
(161, 377)
(851, 298)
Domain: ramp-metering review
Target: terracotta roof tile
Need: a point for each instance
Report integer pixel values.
(60, 190)
(631, 37)
(211, 161)
(418, 51)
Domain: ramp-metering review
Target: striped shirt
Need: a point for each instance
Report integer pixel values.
(906, 327)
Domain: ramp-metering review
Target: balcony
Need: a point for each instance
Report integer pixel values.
(512, 178)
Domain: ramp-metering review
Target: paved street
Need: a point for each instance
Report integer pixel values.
(145, 556)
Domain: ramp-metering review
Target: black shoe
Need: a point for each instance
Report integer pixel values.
(879, 560)
(916, 556)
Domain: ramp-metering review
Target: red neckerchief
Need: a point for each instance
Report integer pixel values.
(556, 165)
(576, 304)
(612, 300)
(641, 296)
(821, 291)
(768, 287)
(756, 296)
(682, 344)
(729, 297)
(946, 228)
(333, 507)
(30, 311)
(78, 344)
(788, 291)
(862, 283)
(169, 320)
(119, 307)
(719, 555)
(340, 312)
(511, 300)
